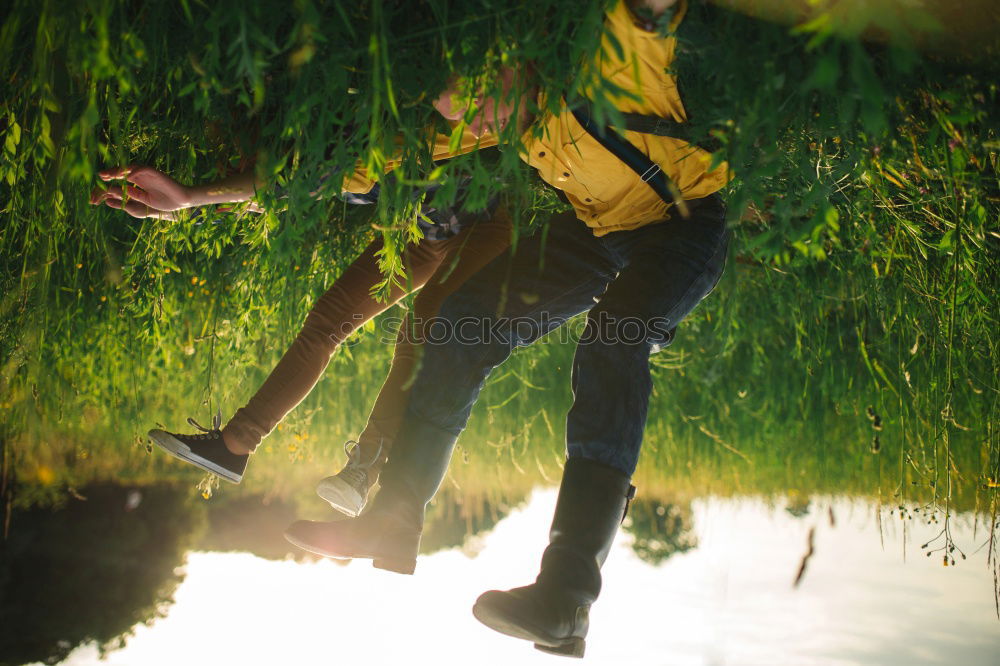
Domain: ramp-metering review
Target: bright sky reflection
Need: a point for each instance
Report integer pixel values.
(729, 601)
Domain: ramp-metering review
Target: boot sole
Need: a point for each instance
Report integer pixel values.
(341, 497)
(498, 620)
(396, 565)
(182, 451)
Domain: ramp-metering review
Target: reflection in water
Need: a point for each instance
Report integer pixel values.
(660, 530)
(92, 569)
(255, 524)
(868, 597)
(251, 524)
(454, 524)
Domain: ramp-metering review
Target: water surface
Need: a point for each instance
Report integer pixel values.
(868, 596)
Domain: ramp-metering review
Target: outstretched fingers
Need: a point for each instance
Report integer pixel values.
(128, 192)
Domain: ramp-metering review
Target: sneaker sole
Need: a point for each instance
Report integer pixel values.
(341, 496)
(182, 451)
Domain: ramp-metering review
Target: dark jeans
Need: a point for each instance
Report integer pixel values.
(638, 285)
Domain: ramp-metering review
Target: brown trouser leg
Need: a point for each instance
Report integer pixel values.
(345, 307)
(466, 253)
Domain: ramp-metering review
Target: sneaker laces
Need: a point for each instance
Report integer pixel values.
(355, 472)
(212, 432)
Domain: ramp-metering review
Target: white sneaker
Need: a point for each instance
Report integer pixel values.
(347, 491)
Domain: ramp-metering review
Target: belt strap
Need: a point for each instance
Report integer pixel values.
(635, 159)
(637, 122)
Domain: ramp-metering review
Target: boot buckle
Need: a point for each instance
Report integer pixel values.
(629, 496)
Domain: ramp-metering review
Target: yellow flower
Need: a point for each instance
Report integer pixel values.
(45, 475)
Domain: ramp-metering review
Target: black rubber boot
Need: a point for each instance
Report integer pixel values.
(389, 532)
(553, 612)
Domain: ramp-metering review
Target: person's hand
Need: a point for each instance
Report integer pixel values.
(143, 192)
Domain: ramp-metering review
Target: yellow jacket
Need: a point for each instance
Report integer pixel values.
(607, 195)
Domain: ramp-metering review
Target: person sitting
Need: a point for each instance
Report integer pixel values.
(636, 259)
(456, 243)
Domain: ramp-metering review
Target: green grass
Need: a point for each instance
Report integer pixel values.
(864, 273)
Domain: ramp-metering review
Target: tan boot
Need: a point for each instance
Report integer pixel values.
(389, 532)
